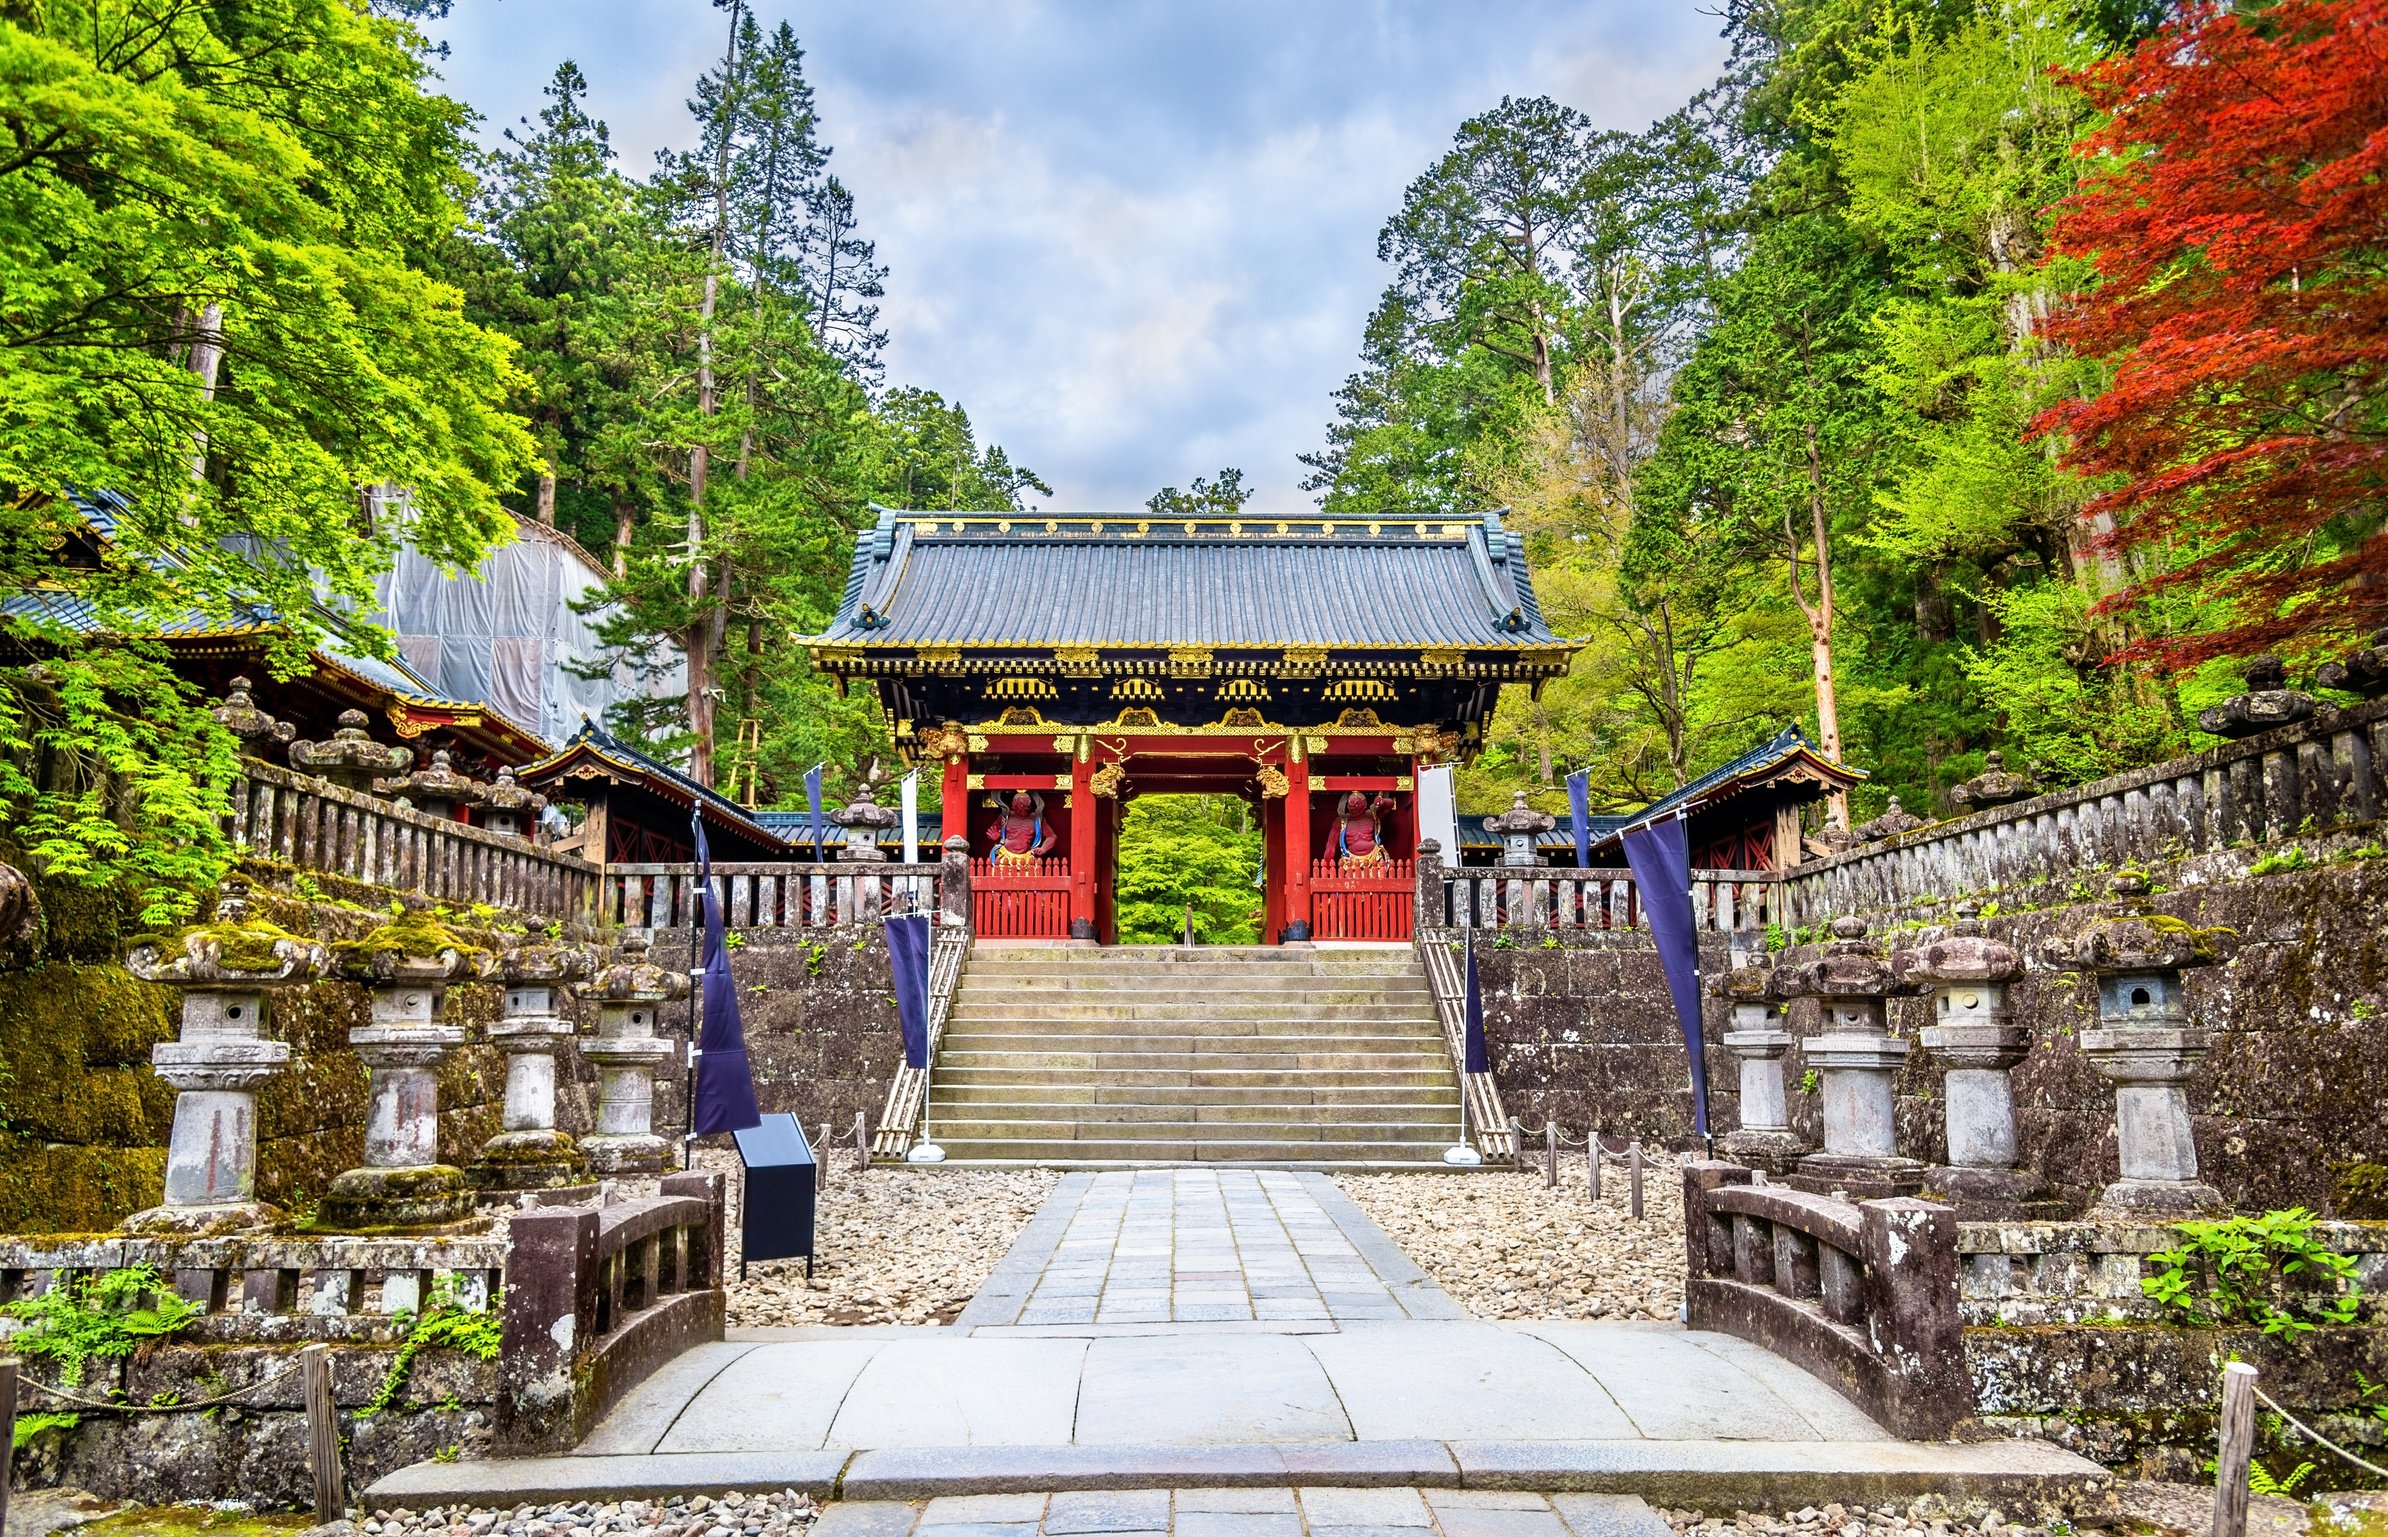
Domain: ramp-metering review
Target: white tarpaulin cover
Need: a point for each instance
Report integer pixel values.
(505, 636)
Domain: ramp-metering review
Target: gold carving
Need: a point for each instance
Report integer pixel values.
(1243, 688)
(1359, 688)
(1020, 715)
(939, 656)
(977, 742)
(1358, 719)
(1187, 661)
(835, 656)
(977, 782)
(1441, 658)
(1107, 779)
(1023, 688)
(1432, 744)
(1244, 720)
(1316, 744)
(1305, 656)
(1137, 688)
(1137, 715)
(1065, 744)
(1076, 656)
(946, 741)
(1273, 783)
(1401, 782)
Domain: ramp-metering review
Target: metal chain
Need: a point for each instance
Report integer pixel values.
(2318, 1438)
(204, 1403)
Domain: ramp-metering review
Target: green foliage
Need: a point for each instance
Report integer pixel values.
(28, 1426)
(1176, 850)
(103, 1317)
(2290, 858)
(2238, 1270)
(446, 1324)
(2261, 1481)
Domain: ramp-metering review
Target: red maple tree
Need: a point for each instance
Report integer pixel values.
(2236, 214)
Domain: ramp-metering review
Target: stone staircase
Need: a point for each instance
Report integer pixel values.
(1217, 1053)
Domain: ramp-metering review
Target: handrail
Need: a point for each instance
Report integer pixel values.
(313, 825)
(1572, 899)
(907, 1094)
(791, 894)
(2320, 774)
(1488, 1121)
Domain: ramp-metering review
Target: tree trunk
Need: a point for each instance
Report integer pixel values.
(207, 354)
(1819, 616)
(622, 520)
(547, 500)
(705, 628)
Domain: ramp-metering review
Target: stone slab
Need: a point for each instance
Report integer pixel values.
(1833, 1417)
(1760, 1475)
(1205, 1390)
(552, 1480)
(958, 1509)
(1601, 1515)
(637, 1422)
(866, 1518)
(1326, 1506)
(915, 1473)
(1673, 1390)
(771, 1396)
(1107, 1511)
(1231, 1500)
(963, 1393)
(1442, 1381)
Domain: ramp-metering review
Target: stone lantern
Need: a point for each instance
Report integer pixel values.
(350, 759)
(409, 964)
(1993, 786)
(863, 820)
(627, 1049)
(1520, 830)
(2364, 671)
(1895, 819)
(438, 790)
(2268, 702)
(219, 1061)
(511, 811)
(1765, 1139)
(258, 732)
(1975, 1040)
(2146, 1045)
(530, 1153)
(1858, 1060)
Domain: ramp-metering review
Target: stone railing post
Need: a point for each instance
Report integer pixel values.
(710, 1187)
(1975, 1041)
(1909, 1250)
(530, 1153)
(1765, 1139)
(1858, 1059)
(953, 884)
(549, 1312)
(1429, 914)
(219, 1061)
(409, 964)
(627, 1049)
(1708, 1245)
(2146, 1045)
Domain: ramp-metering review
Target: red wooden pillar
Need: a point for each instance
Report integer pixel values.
(1277, 865)
(953, 799)
(1083, 821)
(1297, 846)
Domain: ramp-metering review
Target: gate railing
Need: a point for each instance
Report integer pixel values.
(767, 896)
(1376, 904)
(908, 1094)
(1022, 900)
(1568, 900)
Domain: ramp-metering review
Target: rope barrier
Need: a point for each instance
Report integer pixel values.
(2317, 1437)
(179, 1408)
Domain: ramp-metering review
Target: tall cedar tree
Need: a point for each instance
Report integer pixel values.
(2238, 222)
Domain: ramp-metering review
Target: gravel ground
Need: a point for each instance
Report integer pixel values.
(1931, 1516)
(731, 1515)
(1505, 1247)
(896, 1245)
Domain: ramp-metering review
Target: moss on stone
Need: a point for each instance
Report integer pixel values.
(71, 1037)
(417, 934)
(57, 1189)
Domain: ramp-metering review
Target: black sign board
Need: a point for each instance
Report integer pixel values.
(776, 1211)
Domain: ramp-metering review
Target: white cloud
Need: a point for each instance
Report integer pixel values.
(1136, 242)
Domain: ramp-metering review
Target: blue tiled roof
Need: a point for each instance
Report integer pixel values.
(594, 738)
(1139, 581)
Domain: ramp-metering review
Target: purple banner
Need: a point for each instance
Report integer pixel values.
(908, 954)
(1579, 812)
(1475, 1058)
(725, 1085)
(1661, 858)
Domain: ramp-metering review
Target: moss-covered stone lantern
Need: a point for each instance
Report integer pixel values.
(224, 970)
(628, 1047)
(409, 964)
(350, 759)
(1974, 1038)
(533, 1032)
(1764, 1139)
(1858, 1061)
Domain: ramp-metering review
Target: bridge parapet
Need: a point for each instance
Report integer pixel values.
(1862, 1293)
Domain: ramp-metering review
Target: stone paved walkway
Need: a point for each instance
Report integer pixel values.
(1310, 1512)
(1202, 1246)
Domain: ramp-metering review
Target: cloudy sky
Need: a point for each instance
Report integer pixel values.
(1136, 240)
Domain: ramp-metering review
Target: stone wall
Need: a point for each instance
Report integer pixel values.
(821, 1034)
(2291, 1107)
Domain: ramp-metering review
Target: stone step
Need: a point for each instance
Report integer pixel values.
(1421, 1027)
(1174, 1038)
(950, 1132)
(1205, 1075)
(1183, 990)
(1206, 1060)
(1320, 1091)
(1256, 1150)
(1008, 1118)
(1256, 974)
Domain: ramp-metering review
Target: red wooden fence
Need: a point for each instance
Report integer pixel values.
(1020, 901)
(1379, 904)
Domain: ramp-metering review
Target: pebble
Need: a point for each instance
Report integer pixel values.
(689, 1516)
(894, 1245)
(1504, 1246)
(1932, 1516)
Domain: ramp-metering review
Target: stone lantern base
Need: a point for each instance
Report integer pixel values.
(1861, 1176)
(1994, 1195)
(1777, 1151)
(423, 1195)
(2144, 1200)
(529, 1160)
(203, 1221)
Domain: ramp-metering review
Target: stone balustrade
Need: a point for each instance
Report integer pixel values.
(2023, 1273)
(1863, 1294)
(791, 895)
(2314, 776)
(321, 828)
(1565, 899)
